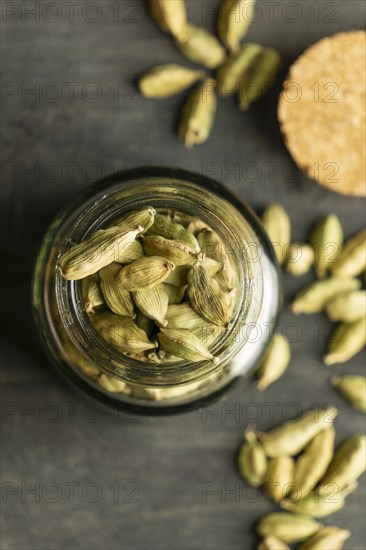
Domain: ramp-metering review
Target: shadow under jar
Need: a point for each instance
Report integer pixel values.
(87, 360)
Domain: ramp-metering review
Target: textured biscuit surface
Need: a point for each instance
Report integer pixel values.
(322, 112)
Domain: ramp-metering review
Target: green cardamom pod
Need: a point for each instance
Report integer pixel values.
(252, 460)
(235, 18)
(112, 384)
(186, 345)
(272, 543)
(207, 332)
(174, 231)
(198, 115)
(279, 477)
(327, 538)
(314, 297)
(319, 506)
(183, 316)
(129, 253)
(275, 362)
(353, 388)
(299, 259)
(278, 226)
(95, 252)
(230, 73)
(200, 46)
(312, 464)
(144, 273)
(117, 298)
(122, 333)
(170, 15)
(153, 303)
(141, 218)
(167, 80)
(211, 244)
(196, 226)
(327, 241)
(92, 294)
(346, 341)
(174, 251)
(347, 466)
(174, 294)
(262, 78)
(352, 259)
(347, 307)
(178, 277)
(206, 296)
(287, 527)
(291, 437)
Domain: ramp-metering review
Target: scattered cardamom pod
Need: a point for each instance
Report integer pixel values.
(347, 466)
(312, 464)
(315, 296)
(142, 218)
(198, 114)
(299, 259)
(353, 388)
(174, 251)
(287, 527)
(174, 231)
(279, 476)
(326, 538)
(262, 78)
(347, 307)
(229, 74)
(235, 17)
(170, 15)
(95, 252)
(153, 303)
(122, 333)
(272, 543)
(252, 460)
(275, 362)
(200, 46)
(117, 298)
(144, 273)
(291, 437)
(186, 345)
(346, 341)
(278, 226)
(112, 384)
(327, 241)
(352, 259)
(319, 506)
(206, 297)
(167, 80)
(92, 295)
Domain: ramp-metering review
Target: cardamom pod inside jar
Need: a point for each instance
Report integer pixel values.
(156, 289)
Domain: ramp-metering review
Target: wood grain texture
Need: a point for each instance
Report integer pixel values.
(174, 474)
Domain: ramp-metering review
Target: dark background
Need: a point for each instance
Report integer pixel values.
(55, 142)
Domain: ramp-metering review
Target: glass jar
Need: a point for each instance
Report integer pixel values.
(79, 352)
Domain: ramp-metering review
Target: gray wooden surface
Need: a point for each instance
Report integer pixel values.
(120, 481)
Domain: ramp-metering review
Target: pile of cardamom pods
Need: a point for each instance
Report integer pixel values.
(298, 469)
(337, 292)
(157, 286)
(248, 70)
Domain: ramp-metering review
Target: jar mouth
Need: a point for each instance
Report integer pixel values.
(183, 196)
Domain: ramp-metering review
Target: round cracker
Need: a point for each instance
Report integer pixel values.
(322, 112)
